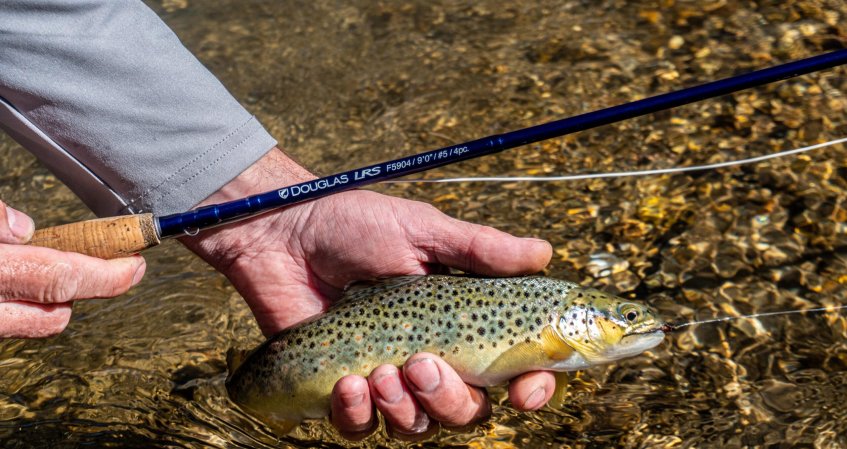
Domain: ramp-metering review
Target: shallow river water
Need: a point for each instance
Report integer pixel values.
(344, 84)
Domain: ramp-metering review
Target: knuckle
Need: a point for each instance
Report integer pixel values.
(413, 424)
(456, 413)
(352, 423)
(477, 252)
(467, 408)
(425, 213)
(429, 209)
(61, 283)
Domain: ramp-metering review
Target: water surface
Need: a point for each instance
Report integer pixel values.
(344, 84)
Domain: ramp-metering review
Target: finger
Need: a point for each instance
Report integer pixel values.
(480, 249)
(352, 408)
(48, 276)
(530, 391)
(15, 226)
(392, 397)
(443, 394)
(29, 320)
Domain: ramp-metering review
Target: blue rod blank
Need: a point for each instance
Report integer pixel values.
(193, 221)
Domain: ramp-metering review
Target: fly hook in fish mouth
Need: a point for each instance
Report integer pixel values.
(665, 328)
(674, 327)
(668, 328)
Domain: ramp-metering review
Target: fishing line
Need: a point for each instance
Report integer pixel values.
(624, 174)
(675, 327)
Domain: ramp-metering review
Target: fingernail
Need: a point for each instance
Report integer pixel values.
(423, 374)
(20, 224)
(352, 400)
(139, 272)
(421, 424)
(389, 388)
(536, 399)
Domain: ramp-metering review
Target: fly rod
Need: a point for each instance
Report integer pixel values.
(120, 236)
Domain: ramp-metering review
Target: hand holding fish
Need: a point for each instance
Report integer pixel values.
(291, 265)
(425, 391)
(38, 285)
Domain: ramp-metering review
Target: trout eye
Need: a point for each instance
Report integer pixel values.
(630, 313)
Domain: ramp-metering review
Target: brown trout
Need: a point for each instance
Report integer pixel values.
(488, 330)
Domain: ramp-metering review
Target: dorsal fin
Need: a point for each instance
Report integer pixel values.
(362, 289)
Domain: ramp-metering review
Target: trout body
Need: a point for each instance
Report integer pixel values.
(488, 330)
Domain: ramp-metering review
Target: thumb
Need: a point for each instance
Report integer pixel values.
(481, 249)
(15, 226)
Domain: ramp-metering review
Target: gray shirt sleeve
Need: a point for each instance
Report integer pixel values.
(104, 93)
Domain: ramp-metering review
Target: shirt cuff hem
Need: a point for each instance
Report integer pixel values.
(207, 173)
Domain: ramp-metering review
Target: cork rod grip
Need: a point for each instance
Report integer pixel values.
(106, 238)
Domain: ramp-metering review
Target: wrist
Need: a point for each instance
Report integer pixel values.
(222, 246)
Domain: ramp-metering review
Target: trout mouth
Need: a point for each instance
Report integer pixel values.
(635, 343)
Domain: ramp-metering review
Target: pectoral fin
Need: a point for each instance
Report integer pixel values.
(555, 348)
(521, 358)
(560, 393)
(528, 356)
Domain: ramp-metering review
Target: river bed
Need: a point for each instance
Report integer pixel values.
(346, 84)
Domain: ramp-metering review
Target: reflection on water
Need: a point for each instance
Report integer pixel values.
(346, 84)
